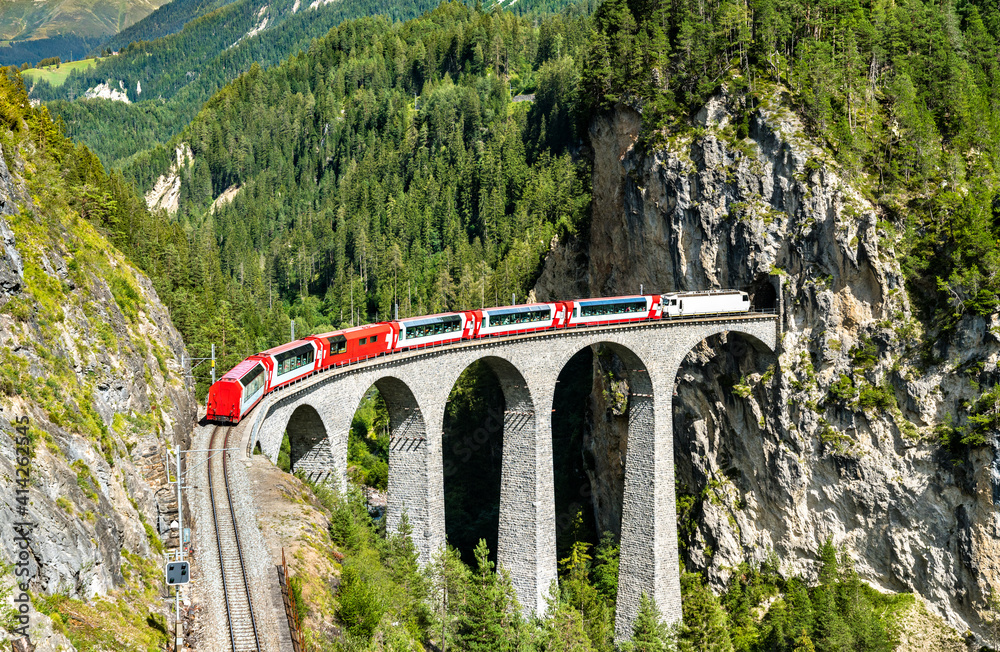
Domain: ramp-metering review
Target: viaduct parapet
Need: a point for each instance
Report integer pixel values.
(317, 413)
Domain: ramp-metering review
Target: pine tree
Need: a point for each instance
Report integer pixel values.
(706, 626)
(649, 632)
(831, 632)
(566, 632)
(580, 595)
(803, 643)
(490, 621)
(449, 584)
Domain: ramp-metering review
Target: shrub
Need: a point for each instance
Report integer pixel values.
(843, 389)
(864, 354)
(882, 397)
(984, 418)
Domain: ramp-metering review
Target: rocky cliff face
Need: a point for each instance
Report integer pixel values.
(835, 435)
(88, 355)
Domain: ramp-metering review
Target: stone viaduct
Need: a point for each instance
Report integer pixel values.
(415, 385)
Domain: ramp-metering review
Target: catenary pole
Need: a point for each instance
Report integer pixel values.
(179, 631)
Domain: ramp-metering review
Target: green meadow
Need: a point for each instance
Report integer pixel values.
(57, 75)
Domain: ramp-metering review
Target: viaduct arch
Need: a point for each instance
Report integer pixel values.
(317, 413)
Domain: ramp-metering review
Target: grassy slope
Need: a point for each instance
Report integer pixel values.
(56, 75)
(26, 19)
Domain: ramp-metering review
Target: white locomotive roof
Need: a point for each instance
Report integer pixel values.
(707, 293)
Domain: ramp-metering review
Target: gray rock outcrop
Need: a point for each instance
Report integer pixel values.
(834, 437)
(89, 356)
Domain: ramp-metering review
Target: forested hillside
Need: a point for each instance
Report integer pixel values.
(168, 19)
(88, 356)
(67, 47)
(385, 166)
(187, 68)
(904, 95)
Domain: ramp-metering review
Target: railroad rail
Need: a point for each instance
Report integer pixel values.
(243, 635)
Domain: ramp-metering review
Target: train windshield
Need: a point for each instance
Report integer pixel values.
(338, 344)
(253, 381)
(613, 307)
(289, 361)
(430, 327)
(507, 316)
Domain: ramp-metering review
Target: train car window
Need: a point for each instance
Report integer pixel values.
(508, 316)
(253, 381)
(437, 326)
(362, 341)
(373, 339)
(619, 307)
(338, 344)
(289, 361)
(746, 299)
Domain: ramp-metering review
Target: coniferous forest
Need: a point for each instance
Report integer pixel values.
(384, 166)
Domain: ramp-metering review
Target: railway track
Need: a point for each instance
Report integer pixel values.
(243, 634)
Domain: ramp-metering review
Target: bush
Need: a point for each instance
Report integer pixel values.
(361, 603)
(984, 419)
(126, 296)
(843, 389)
(882, 397)
(864, 354)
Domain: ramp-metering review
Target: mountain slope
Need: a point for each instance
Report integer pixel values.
(27, 19)
(187, 68)
(170, 18)
(92, 362)
(843, 159)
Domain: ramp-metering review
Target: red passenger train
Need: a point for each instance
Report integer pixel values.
(237, 392)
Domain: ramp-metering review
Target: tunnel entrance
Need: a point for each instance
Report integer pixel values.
(764, 298)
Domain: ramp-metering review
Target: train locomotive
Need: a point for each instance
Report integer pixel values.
(240, 389)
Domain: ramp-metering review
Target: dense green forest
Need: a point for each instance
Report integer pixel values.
(903, 94)
(65, 46)
(178, 73)
(166, 20)
(387, 602)
(386, 166)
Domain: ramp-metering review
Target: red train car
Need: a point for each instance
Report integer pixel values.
(241, 388)
(614, 310)
(353, 344)
(237, 392)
